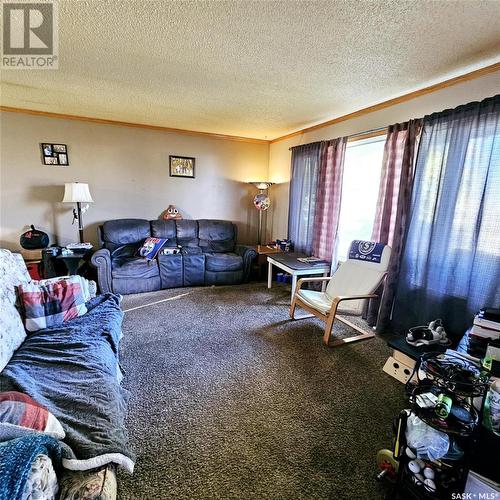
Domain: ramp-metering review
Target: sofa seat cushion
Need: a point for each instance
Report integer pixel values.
(191, 251)
(223, 262)
(134, 267)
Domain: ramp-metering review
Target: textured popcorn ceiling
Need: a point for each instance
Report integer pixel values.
(252, 68)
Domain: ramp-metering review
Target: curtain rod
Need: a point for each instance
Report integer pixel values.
(368, 132)
(358, 136)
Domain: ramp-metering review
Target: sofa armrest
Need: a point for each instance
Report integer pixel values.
(248, 254)
(102, 261)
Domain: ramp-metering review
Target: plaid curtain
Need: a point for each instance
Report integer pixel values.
(392, 211)
(329, 194)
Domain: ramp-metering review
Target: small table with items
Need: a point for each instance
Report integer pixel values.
(289, 263)
(73, 260)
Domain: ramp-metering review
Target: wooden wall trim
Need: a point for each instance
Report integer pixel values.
(103, 121)
(397, 100)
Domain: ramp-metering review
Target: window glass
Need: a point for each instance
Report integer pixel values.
(362, 168)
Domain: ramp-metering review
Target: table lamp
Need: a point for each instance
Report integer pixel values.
(76, 192)
(261, 202)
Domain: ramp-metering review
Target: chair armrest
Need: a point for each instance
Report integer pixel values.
(309, 280)
(102, 261)
(248, 254)
(245, 251)
(341, 298)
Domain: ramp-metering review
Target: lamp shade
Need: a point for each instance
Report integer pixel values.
(261, 184)
(76, 192)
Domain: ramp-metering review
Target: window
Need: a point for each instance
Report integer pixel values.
(362, 168)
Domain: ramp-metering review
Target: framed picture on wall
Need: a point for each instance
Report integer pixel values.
(54, 154)
(181, 166)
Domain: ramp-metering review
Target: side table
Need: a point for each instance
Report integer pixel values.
(73, 261)
(289, 263)
(262, 252)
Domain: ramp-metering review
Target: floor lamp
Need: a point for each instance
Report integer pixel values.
(76, 192)
(261, 202)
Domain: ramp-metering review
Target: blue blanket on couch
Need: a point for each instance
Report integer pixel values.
(73, 371)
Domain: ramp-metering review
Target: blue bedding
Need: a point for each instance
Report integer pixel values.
(73, 371)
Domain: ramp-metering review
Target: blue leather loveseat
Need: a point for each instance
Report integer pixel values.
(208, 255)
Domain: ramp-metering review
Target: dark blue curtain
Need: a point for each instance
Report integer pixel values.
(303, 192)
(451, 261)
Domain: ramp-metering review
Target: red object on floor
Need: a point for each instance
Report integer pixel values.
(34, 270)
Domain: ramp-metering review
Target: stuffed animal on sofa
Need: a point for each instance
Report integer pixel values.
(171, 213)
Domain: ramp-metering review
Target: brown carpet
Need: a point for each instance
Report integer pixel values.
(231, 399)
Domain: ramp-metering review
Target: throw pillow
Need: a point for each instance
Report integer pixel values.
(20, 414)
(44, 306)
(150, 248)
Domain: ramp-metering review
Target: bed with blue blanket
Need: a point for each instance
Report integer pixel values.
(73, 371)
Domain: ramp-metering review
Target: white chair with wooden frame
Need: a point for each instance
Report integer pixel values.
(354, 282)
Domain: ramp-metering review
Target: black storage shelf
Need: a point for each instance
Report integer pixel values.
(451, 425)
(432, 370)
(463, 423)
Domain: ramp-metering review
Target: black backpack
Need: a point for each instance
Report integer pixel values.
(34, 239)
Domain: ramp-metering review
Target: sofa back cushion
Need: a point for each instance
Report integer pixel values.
(120, 232)
(218, 236)
(13, 272)
(165, 229)
(187, 232)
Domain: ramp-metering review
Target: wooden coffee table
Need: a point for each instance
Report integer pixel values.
(288, 262)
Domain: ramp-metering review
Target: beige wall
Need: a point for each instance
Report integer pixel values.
(279, 154)
(127, 170)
